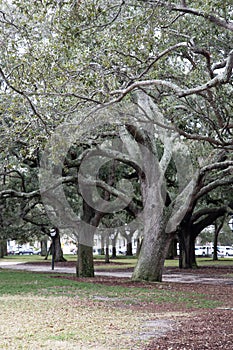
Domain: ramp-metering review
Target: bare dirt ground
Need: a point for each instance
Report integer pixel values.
(194, 328)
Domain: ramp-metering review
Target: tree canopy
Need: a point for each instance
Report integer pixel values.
(104, 79)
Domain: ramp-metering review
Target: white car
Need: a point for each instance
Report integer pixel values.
(203, 250)
(225, 251)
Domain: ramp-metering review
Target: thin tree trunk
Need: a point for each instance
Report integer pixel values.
(217, 229)
(43, 247)
(114, 254)
(129, 250)
(139, 244)
(102, 246)
(58, 250)
(107, 261)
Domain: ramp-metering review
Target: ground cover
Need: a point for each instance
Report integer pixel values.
(46, 311)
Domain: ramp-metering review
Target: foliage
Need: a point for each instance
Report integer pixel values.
(59, 59)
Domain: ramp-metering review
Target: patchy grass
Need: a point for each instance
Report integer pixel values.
(39, 311)
(21, 283)
(45, 311)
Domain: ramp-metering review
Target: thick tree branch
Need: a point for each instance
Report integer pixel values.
(211, 186)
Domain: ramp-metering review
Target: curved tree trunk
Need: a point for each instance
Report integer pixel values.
(152, 256)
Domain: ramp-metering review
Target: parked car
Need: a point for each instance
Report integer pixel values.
(225, 251)
(203, 250)
(22, 251)
(37, 252)
(229, 251)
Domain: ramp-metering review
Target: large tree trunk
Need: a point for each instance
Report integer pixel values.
(152, 256)
(155, 239)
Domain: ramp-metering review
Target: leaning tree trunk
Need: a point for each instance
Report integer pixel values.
(155, 239)
(152, 256)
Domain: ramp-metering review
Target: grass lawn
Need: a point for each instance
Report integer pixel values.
(45, 311)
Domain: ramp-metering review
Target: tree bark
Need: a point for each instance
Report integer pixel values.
(139, 244)
(217, 229)
(85, 264)
(152, 256)
(187, 258)
(58, 250)
(107, 261)
(129, 250)
(3, 248)
(172, 250)
(114, 255)
(43, 246)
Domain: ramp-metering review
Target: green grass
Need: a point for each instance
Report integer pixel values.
(21, 283)
(46, 311)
